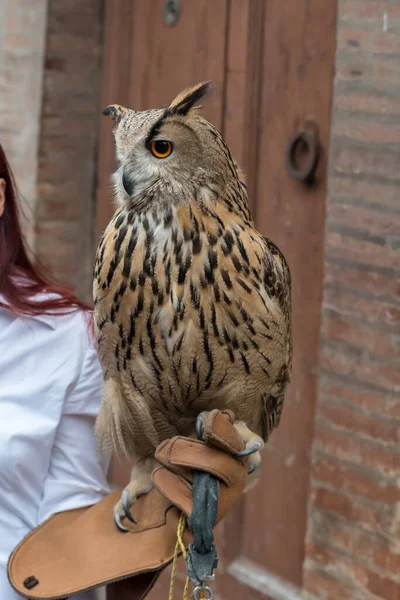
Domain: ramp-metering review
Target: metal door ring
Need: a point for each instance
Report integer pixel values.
(311, 143)
(171, 12)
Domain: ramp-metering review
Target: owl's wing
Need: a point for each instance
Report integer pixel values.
(277, 284)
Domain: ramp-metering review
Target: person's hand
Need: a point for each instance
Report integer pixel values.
(82, 549)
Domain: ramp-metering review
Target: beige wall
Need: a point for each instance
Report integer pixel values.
(22, 47)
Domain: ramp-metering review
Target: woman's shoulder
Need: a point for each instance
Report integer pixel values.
(70, 317)
(74, 318)
(49, 306)
(69, 332)
(73, 328)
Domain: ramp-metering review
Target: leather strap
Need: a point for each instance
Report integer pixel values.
(218, 431)
(196, 456)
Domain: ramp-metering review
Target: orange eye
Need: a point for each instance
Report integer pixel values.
(161, 148)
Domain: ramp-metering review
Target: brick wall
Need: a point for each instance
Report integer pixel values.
(22, 46)
(353, 538)
(67, 153)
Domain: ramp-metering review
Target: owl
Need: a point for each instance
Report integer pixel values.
(192, 304)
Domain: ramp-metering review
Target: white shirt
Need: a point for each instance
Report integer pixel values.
(50, 392)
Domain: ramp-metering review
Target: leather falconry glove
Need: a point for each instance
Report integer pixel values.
(82, 549)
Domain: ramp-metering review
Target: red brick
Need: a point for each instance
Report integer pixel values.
(383, 587)
(326, 529)
(368, 10)
(341, 328)
(360, 101)
(58, 103)
(379, 554)
(52, 171)
(344, 245)
(67, 83)
(376, 311)
(386, 431)
(359, 368)
(58, 142)
(75, 11)
(345, 570)
(364, 130)
(59, 245)
(67, 154)
(355, 450)
(56, 126)
(72, 47)
(354, 481)
(325, 586)
(372, 283)
(346, 537)
(366, 161)
(354, 524)
(381, 402)
(362, 39)
(57, 201)
(372, 69)
(350, 509)
(385, 194)
(363, 219)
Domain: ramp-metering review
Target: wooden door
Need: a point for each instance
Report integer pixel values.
(272, 66)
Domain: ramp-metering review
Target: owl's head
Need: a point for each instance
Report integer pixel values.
(167, 155)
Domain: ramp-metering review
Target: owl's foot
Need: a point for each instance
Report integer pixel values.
(139, 485)
(254, 444)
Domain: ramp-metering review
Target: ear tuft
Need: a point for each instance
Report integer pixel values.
(186, 99)
(115, 111)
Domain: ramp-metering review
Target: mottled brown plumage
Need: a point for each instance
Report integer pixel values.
(192, 303)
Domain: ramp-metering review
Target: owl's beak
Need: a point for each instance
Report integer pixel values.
(128, 183)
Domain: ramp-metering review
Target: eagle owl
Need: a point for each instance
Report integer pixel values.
(192, 303)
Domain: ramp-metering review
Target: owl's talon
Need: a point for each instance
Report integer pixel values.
(251, 448)
(118, 522)
(126, 505)
(200, 426)
(140, 484)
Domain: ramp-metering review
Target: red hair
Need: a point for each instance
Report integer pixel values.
(20, 279)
